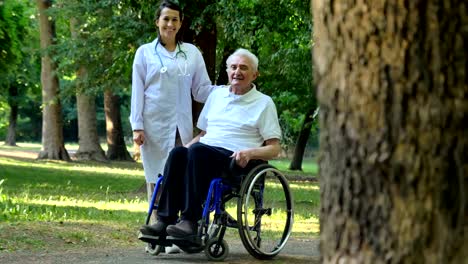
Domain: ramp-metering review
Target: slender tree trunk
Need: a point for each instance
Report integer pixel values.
(116, 148)
(88, 139)
(206, 40)
(301, 143)
(52, 128)
(10, 139)
(392, 87)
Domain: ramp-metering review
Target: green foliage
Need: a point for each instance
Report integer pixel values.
(12, 27)
(107, 36)
(19, 66)
(280, 35)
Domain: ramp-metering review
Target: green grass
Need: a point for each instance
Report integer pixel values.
(47, 205)
(34, 146)
(309, 167)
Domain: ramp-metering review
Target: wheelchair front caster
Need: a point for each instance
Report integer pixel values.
(153, 249)
(215, 251)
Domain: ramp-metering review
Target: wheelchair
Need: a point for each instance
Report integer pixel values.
(260, 198)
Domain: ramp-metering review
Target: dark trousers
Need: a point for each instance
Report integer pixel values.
(187, 176)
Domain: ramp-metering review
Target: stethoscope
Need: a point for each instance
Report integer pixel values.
(180, 51)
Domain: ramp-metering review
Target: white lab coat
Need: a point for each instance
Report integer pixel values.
(161, 102)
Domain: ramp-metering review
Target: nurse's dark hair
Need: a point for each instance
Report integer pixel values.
(174, 6)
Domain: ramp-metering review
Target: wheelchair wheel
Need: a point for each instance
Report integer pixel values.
(215, 251)
(153, 249)
(265, 212)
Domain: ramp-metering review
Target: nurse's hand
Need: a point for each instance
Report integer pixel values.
(139, 137)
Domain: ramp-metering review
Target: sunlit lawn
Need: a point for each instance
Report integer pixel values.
(46, 204)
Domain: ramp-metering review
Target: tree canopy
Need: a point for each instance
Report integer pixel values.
(110, 31)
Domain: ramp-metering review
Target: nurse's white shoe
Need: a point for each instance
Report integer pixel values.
(173, 249)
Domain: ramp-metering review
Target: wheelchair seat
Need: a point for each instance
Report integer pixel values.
(235, 174)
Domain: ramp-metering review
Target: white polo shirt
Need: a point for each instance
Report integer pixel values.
(238, 122)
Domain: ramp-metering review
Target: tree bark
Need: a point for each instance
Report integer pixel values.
(10, 139)
(88, 139)
(301, 143)
(393, 95)
(52, 128)
(206, 40)
(116, 148)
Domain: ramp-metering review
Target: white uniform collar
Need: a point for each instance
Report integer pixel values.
(164, 51)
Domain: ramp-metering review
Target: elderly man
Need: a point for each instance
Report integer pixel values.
(237, 122)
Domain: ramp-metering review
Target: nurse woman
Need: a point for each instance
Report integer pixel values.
(166, 72)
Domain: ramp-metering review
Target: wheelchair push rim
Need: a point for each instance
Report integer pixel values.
(265, 212)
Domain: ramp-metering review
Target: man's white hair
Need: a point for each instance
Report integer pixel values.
(243, 53)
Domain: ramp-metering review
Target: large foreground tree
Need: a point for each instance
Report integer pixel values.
(393, 95)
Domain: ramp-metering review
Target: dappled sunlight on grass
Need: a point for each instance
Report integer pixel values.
(128, 205)
(302, 186)
(72, 166)
(30, 146)
(308, 167)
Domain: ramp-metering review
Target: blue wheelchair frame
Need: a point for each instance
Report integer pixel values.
(210, 236)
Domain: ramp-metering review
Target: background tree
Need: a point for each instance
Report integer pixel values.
(89, 147)
(392, 87)
(13, 32)
(52, 134)
(111, 31)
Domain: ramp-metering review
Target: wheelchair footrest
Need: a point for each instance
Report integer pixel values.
(155, 240)
(188, 241)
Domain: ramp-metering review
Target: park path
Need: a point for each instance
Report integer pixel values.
(295, 252)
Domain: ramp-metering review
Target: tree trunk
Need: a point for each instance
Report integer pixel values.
(393, 94)
(301, 143)
(206, 40)
(10, 139)
(52, 128)
(88, 139)
(116, 148)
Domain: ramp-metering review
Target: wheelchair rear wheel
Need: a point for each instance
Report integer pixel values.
(265, 212)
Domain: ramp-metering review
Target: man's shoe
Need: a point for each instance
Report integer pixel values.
(157, 229)
(182, 229)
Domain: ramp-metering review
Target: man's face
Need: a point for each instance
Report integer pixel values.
(241, 74)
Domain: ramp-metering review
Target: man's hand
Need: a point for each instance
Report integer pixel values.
(242, 157)
(139, 137)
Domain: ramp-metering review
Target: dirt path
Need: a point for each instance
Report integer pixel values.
(295, 252)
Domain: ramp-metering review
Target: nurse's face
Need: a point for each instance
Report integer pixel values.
(241, 74)
(169, 23)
